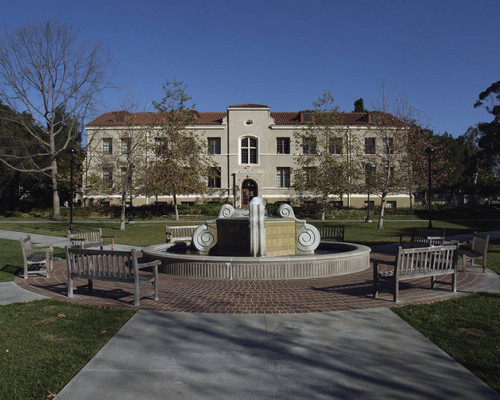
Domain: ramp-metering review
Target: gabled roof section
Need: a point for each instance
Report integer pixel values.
(248, 105)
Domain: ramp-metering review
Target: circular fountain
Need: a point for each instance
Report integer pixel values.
(244, 244)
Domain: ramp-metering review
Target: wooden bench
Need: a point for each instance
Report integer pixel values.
(109, 265)
(331, 232)
(37, 255)
(423, 237)
(479, 250)
(179, 233)
(421, 262)
(90, 238)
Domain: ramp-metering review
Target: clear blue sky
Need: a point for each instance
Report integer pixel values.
(437, 54)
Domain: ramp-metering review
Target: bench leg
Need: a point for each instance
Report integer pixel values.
(137, 292)
(70, 286)
(375, 280)
(454, 281)
(396, 288)
(156, 288)
(90, 285)
(433, 282)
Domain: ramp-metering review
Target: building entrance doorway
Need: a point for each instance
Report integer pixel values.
(249, 190)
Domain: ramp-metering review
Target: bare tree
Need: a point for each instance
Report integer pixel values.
(50, 76)
(124, 166)
(387, 163)
(324, 164)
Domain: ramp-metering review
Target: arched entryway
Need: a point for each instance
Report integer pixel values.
(249, 190)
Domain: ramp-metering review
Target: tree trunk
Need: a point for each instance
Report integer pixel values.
(323, 209)
(381, 215)
(56, 205)
(175, 208)
(122, 212)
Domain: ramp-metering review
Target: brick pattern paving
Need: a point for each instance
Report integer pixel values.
(179, 294)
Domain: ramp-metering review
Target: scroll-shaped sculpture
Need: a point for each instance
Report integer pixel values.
(308, 238)
(226, 211)
(204, 238)
(286, 210)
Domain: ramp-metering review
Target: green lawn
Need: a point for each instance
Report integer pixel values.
(467, 328)
(44, 343)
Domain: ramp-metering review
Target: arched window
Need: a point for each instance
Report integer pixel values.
(249, 150)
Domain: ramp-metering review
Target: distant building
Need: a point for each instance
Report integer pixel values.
(255, 150)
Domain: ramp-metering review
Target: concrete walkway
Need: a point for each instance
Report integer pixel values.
(362, 354)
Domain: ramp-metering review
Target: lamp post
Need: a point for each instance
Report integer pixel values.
(71, 151)
(429, 150)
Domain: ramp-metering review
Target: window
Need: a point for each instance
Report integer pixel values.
(107, 176)
(369, 145)
(309, 145)
(388, 145)
(248, 150)
(283, 177)
(335, 146)
(214, 145)
(160, 141)
(338, 204)
(214, 180)
(391, 204)
(369, 173)
(127, 175)
(126, 145)
(283, 145)
(107, 145)
(372, 204)
(310, 173)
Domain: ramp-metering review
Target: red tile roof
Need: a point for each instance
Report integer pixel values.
(124, 118)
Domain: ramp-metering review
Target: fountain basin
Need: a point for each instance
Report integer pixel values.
(330, 259)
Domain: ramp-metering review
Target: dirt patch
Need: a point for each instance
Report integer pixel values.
(472, 331)
(45, 320)
(54, 339)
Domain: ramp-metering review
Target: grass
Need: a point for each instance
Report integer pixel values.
(44, 343)
(467, 328)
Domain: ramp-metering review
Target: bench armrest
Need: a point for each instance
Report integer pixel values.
(148, 264)
(108, 236)
(42, 246)
(44, 250)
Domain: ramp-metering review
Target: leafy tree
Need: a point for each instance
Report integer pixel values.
(417, 160)
(489, 140)
(46, 74)
(182, 163)
(469, 171)
(359, 105)
(324, 164)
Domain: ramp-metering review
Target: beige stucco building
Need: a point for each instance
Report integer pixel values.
(255, 150)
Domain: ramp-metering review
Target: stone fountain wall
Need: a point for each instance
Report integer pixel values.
(249, 233)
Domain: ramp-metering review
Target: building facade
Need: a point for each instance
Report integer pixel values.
(255, 151)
